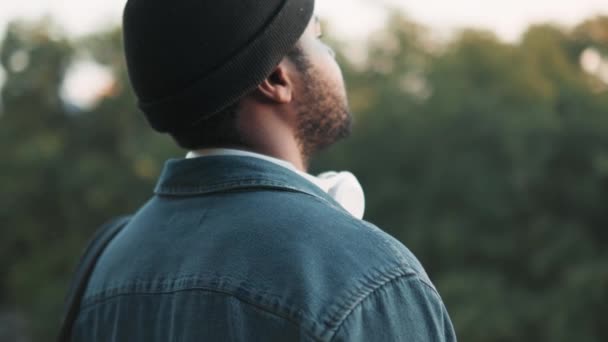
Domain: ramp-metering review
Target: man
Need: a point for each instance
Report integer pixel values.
(239, 243)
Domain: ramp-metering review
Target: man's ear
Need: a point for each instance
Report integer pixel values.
(279, 86)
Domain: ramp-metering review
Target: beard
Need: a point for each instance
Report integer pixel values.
(323, 114)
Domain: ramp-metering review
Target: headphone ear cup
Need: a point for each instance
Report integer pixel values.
(345, 188)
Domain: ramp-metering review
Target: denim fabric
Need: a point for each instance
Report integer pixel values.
(240, 249)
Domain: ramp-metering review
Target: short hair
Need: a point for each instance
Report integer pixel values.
(220, 130)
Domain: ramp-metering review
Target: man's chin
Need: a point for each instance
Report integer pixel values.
(340, 133)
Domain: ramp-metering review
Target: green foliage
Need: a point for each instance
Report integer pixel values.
(495, 176)
(488, 160)
(64, 172)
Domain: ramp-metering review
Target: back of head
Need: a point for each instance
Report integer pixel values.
(189, 60)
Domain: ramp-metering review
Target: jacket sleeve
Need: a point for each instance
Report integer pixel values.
(404, 309)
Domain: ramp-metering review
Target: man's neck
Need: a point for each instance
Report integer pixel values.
(271, 133)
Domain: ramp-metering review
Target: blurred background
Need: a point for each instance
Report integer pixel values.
(481, 141)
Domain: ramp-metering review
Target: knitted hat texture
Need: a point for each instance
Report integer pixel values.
(189, 59)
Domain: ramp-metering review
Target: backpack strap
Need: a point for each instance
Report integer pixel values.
(85, 267)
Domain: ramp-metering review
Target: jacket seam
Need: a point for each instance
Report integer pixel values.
(227, 183)
(245, 301)
(192, 191)
(227, 187)
(359, 302)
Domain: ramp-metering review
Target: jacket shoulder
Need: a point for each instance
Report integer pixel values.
(339, 260)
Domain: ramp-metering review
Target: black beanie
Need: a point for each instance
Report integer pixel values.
(189, 59)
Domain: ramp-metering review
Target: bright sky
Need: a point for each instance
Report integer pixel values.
(350, 18)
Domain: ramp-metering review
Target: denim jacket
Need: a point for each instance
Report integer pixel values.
(240, 249)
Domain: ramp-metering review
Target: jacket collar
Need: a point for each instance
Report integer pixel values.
(197, 176)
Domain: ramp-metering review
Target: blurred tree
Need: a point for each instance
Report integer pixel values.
(65, 169)
(32, 140)
(494, 174)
